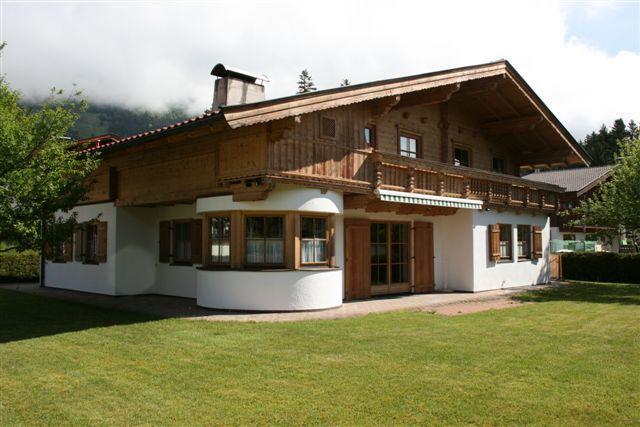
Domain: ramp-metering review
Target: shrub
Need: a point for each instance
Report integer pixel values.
(19, 266)
(601, 267)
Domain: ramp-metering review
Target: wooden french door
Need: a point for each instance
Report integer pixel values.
(423, 258)
(378, 258)
(357, 259)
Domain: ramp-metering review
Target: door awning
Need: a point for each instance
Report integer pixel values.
(427, 199)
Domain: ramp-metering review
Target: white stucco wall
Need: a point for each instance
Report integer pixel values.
(174, 280)
(489, 274)
(452, 245)
(75, 275)
(270, 290)
(135, 260)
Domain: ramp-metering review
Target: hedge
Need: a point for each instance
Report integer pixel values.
(19, 266)
(601, 267)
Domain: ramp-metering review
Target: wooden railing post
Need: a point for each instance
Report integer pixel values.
(467, 188)
(542, 198)
(510, 195)
(378, 181)
(440, 190)
(489, 192)
(411, 181)
(526, 197)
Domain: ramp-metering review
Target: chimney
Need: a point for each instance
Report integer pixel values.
(234, 86)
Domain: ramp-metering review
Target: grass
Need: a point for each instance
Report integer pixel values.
(572, 357)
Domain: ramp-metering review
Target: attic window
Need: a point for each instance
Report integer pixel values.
(328, 128)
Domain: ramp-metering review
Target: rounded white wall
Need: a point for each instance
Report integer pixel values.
(275, 290)
(291, 290)
(282, 198)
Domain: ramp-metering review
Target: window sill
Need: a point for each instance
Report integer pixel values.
(504, 261)
(524, 259)
(59, 261)
(90, 262)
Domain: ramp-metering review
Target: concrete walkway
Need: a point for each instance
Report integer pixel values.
(166, 306)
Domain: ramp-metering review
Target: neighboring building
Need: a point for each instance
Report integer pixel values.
(579, 184)
(298, 203)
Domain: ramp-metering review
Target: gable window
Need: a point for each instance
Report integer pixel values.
(182, 242)
(91, 242)
(461, 156)
(265, 240)
(498, 165)
(370, 136)
(409, 146)
(524, 241)
(327, 127)
(313, 237)
(220, 229)
(505, 241)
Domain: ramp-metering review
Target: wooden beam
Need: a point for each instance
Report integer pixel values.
(511, 126)
(428, 96)
(382, 106)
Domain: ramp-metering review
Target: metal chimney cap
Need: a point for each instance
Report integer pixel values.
(221, 70)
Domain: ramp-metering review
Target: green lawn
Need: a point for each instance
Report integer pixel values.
(572, 357)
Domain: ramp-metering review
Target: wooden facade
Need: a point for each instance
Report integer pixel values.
(245, 150)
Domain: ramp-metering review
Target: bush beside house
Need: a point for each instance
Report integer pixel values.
(601, 267)
(19, 266)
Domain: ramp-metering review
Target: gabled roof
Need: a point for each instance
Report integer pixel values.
(552, 139)
(578, 180)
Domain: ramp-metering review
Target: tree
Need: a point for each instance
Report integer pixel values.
(617, 203)
(305, 82)
(41, 174)
(345, 82)
(603, 145)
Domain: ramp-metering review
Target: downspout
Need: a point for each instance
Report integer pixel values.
(42, 248)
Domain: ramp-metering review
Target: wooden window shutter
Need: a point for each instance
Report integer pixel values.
(78, 243)
(196, 241)
(68, 250)
(494, 242)
(165, 239)
(537, 242)
(101, 255)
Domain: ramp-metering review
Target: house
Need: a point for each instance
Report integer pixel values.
(300, 203)
(579, 184)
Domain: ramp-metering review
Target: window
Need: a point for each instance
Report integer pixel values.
(461, 156)
(399, 253)
(91, 243)
(220, 229)
(408, 146)
(370, 136)
(182, 242)
(524, 241)
(389, 253)
(378, 254)
(498, 165)
(313, 235)
(265, 240)
(327, 128)
(505, 241)
(568, 237)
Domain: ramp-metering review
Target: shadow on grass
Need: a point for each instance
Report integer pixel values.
(24, 316)
(593, 292)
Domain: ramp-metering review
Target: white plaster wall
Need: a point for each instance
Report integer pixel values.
(452, 245)
(75, 275)
(489, 274)
(270, 290)
(135, 260)
(282, 198)
(174, 280)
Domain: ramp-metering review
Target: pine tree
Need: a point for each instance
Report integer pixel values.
(305, 82)
(603, 146)
(345, 82)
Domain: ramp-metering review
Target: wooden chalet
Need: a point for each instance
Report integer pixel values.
(402, 185)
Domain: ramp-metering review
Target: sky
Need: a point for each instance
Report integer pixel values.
(581, 57)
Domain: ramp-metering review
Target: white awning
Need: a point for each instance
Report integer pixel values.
(427, 199)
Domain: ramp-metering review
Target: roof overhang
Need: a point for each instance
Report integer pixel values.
(427, 199)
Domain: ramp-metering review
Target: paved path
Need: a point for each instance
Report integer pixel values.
(186, 307)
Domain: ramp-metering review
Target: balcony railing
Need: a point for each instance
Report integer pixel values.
(398, 173)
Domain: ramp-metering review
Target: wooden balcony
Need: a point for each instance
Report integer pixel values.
(330, 165)
(393, 172)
